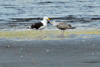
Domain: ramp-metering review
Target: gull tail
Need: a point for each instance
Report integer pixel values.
(72, 28)
(31, 27)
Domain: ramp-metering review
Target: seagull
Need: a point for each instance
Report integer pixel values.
(62, 26)
(40, 25)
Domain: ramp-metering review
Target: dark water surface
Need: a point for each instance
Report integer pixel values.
(18, 14)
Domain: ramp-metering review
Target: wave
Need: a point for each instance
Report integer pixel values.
(70, 18)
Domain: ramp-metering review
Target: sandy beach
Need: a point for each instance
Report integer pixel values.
(75, 50)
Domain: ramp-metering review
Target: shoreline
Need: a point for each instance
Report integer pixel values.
(49, 34)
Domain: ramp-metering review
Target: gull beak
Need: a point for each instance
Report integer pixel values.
(48, 19)
(51, 21)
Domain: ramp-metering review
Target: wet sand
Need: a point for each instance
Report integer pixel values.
(49, 34)
(70, 52)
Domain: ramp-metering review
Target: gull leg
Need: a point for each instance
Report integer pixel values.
(63, 33)
(41, 33)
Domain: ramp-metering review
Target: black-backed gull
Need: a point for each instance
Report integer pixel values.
(40, 25)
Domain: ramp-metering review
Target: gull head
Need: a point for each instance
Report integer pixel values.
(54, 23)
(46, 18)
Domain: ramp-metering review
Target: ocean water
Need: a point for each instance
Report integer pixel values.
(75, 52)
(19, 14)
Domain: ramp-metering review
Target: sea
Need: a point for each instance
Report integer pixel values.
(19, 14)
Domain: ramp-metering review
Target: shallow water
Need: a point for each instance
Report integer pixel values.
(18, 14)
(78, 52)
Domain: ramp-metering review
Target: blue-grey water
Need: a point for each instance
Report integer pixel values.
(75, 52)
(18, 14)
